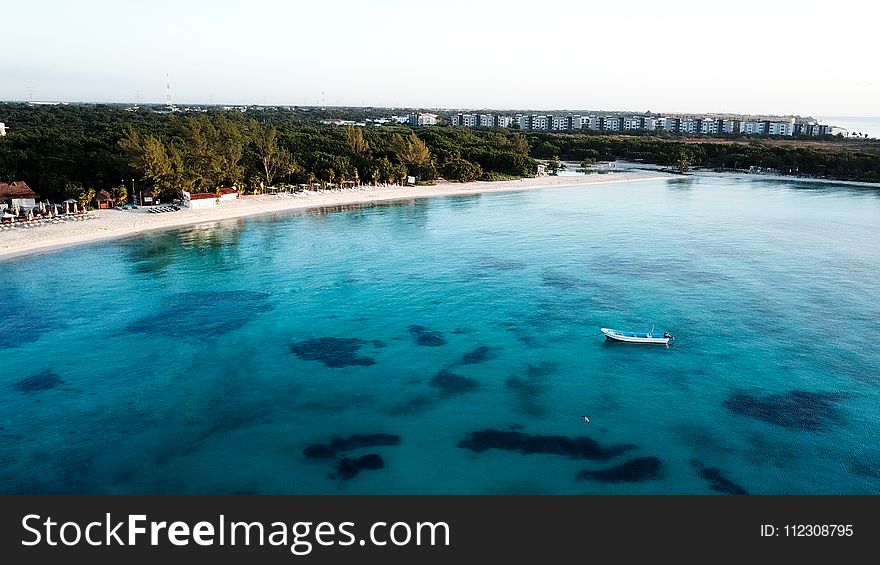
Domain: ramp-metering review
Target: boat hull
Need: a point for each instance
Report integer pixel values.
(632, 337)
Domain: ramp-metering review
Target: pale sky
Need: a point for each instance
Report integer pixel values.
(770, 56)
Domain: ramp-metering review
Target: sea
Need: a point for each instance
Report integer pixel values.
(451, 345)
(855, 124)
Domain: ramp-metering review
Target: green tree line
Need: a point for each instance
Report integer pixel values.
(61, 150)
(836, 160)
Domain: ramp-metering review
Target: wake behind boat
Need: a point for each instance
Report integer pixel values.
(635, 337)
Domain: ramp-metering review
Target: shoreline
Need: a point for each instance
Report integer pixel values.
(789, 178)
(104, 225)
(741, 175)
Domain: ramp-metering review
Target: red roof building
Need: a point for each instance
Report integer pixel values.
(104, 200)
(202, 200)
(227, 194)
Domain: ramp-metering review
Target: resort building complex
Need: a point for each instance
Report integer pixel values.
(422, 119)
(681, 124)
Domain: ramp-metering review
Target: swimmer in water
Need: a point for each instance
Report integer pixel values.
(586, 419)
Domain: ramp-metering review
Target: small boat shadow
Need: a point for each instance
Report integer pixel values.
(616, 343)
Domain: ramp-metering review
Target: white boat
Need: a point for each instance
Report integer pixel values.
(635, 337)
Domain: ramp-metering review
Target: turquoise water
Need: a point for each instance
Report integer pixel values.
(195, 360)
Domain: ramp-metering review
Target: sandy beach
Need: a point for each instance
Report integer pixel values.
(111, 224)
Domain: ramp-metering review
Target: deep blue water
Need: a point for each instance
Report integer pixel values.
(206, 360)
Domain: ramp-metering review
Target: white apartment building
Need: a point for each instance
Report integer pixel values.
(422, 119)
(631, 123)
(706, 125)
(466, 120)
(2, 128)
(540, 122)
(591, 122)
(805, 129)
(821, 129)
(688, 125)
(751, 127)
(780, 128)
(558, 123)
(709, 126)
(610, 123)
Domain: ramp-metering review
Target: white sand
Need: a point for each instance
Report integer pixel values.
(109, 224)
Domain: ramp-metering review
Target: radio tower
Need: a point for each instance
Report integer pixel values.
(168, 92)
(322, 99)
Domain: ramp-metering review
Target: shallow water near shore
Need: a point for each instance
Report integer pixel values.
(210, 359)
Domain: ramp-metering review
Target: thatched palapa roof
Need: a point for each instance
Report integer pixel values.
(16, 189)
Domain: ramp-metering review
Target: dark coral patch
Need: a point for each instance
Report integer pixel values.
(541, 369)
(334, 352)
(717, 481)
(573, 447)
(449, 384)
(349, 468)
(320, 451)
(490, 263)
(22, 325)
(528, 393)
(636, 470)
(44, 380)
(866, 468)
(426, 337)
(529, 389)
(413, 405)
(356, 441)
(204, 314)
(559, 280)
(478, 355)
(797, 409)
